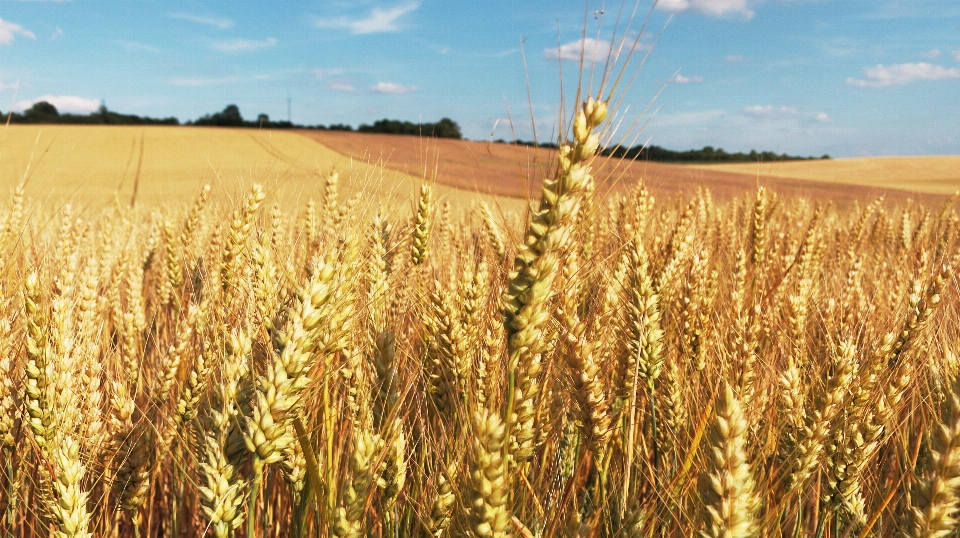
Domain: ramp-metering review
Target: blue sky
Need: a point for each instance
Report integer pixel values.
(844, 77)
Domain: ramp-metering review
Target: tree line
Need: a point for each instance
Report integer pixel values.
(230, 116)
(44, 112)
(705, 155)
(445, 128)
(708, 154)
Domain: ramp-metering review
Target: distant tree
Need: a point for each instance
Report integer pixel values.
(43, 107)
(230, 117)
(263, 120)
(41, 112)
(447, 128)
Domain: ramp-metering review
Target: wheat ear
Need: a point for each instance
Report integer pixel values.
(421, 230)
(221, 499)
(442, 503)
(70, 509)
(494, 234)
(809, 450)
(364, 468)
(536, 266)
(278, 389)
(39, 368)
(489, 516)
(593, 407)
(730, 496)
(935, 495)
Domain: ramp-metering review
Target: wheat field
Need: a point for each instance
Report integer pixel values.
(937, 174)
(598, 366)
(155, 166)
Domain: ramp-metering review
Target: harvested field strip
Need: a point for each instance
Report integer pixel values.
(511, 170)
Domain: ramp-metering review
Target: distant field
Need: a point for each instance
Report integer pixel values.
(90, 164)
(513, 170)
(936, 175)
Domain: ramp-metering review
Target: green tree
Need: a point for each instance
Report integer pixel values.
(447, 128)
(230, 117)
(41, 112)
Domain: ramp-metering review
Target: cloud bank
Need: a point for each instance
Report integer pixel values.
(680, 79)
(379, 20)
(65, 103)
(770, 111)
(898, 74)
(588, 48)
(712, 8)
(9, 31)
(391, 88)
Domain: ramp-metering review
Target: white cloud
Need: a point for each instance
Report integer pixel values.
(680, 79)
(344, 86)
(57, 34)
(218, 22)
(956, 55)
(9, 31)
(4, 86)
(897, 74)
(734, 58)
(64, 103)
(931, 54)
(244, 45)
(713, 8)
(823, 117)
(379, 20)
(770, 111)
(391, 87)
(589, 48)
